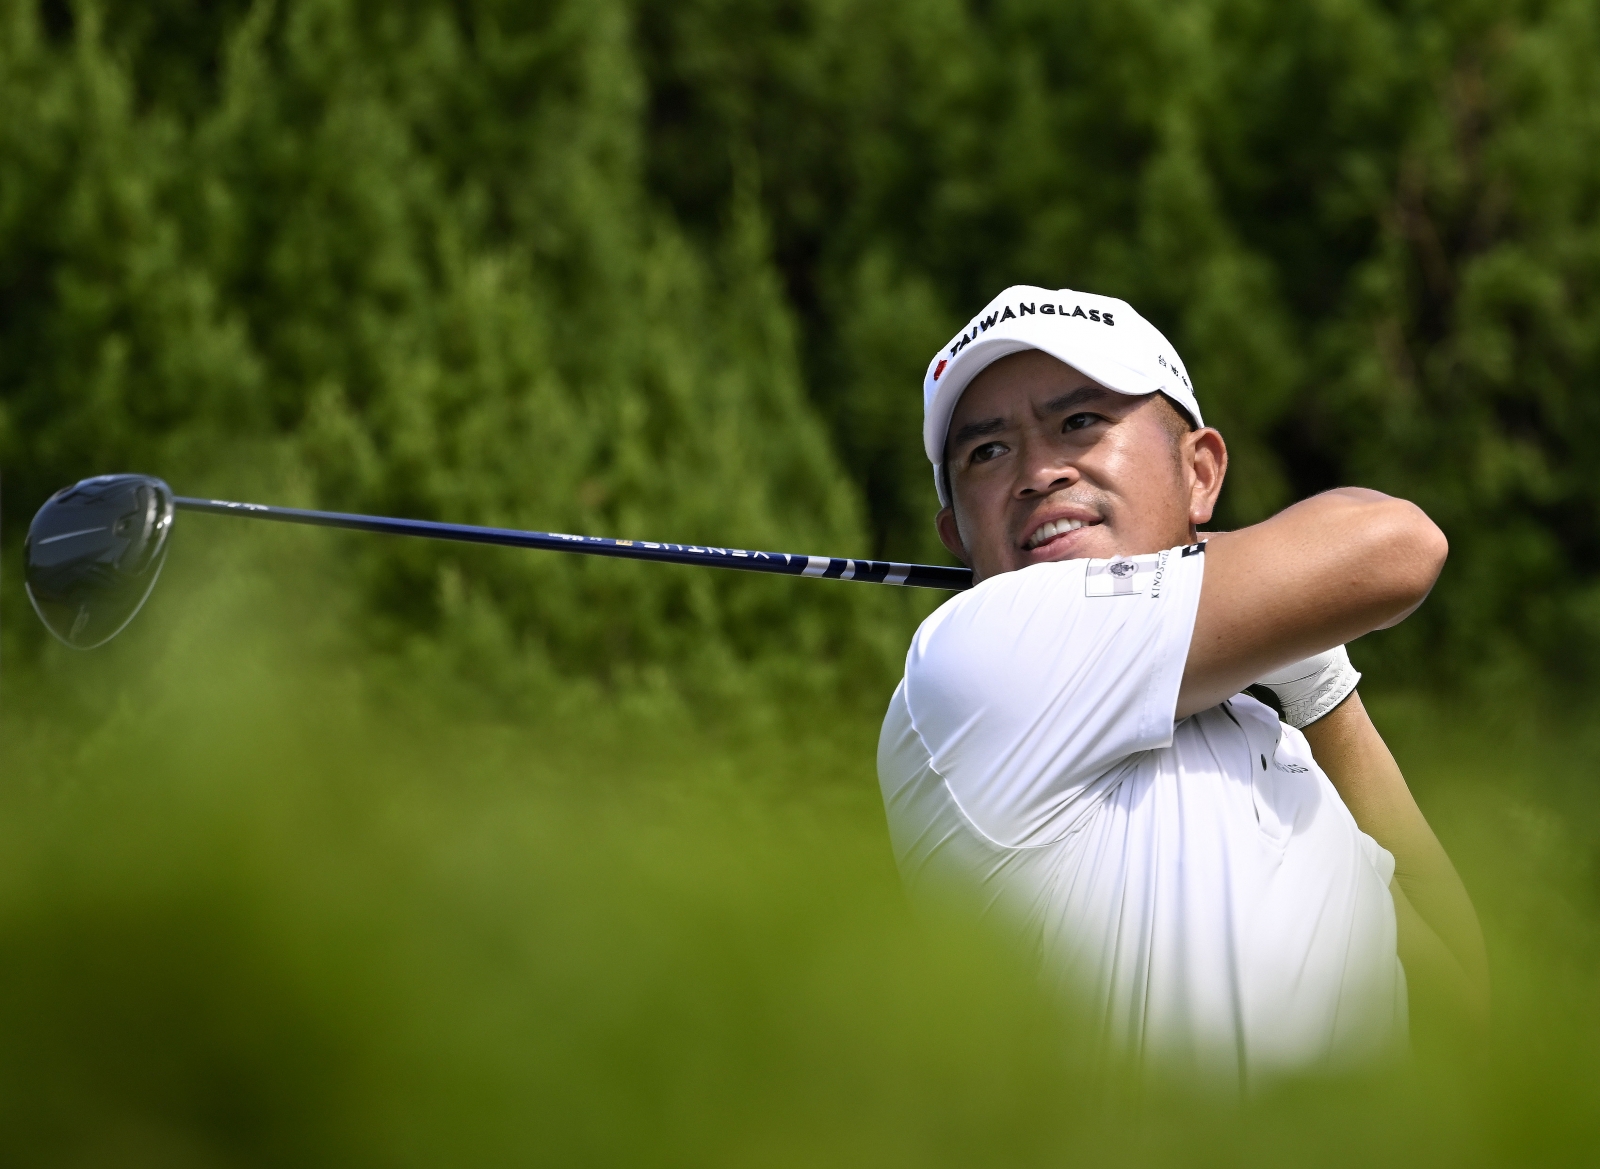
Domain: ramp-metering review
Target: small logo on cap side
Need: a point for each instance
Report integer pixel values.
(938, 369)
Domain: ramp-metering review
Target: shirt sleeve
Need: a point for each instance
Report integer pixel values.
(1030, 688)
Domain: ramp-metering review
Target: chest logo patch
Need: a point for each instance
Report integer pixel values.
(1124, 576)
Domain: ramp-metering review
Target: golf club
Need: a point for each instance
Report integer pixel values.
(95, 549)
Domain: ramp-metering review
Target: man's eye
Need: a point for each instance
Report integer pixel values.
(1079, 421)
(986, 452)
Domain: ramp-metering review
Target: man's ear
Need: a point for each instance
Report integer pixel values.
(1208, 466)
(950, 535)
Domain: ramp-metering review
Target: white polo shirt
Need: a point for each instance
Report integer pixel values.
(1199, 885)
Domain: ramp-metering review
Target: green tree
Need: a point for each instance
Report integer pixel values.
(655, 268)
(1368, 226)
(401, 258)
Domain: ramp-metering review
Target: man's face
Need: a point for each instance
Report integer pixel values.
(1046, 464)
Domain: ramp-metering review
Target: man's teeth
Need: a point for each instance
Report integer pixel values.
(1053, 528)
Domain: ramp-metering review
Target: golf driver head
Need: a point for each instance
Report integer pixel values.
(94, 551)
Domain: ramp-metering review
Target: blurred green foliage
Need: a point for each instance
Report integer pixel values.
(673, 270)
(1370, 226)
(260, 906)
(401, 259)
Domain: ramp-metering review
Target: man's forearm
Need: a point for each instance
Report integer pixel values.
(1318, 574)
(1349, 749)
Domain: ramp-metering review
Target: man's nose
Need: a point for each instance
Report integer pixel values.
(1043, 471)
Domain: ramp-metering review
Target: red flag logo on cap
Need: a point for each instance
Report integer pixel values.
(938, 369)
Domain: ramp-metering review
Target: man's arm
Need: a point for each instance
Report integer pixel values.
(1316, 575)
(1441, 944)
(1312, 577)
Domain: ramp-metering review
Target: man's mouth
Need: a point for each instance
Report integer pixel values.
(1048, 531)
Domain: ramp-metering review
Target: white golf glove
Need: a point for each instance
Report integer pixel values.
(1311, 688)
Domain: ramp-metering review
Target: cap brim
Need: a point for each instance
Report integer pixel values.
(1086, 358)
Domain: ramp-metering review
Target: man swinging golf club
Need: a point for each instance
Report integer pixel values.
(1070, 744)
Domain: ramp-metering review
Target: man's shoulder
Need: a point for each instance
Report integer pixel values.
(1011, 598)
(1005, 587)
(990, 616)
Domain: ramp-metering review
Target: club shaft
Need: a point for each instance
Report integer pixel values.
(926, 576)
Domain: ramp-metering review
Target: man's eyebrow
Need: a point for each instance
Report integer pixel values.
(1060, 404)
(974, 430)
(1064, 402)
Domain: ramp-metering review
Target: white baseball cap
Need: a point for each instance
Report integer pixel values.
(1099, 336)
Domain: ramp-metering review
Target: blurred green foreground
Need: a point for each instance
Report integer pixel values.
(265, 901)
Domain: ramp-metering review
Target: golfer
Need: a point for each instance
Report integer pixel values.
(1070, 745)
